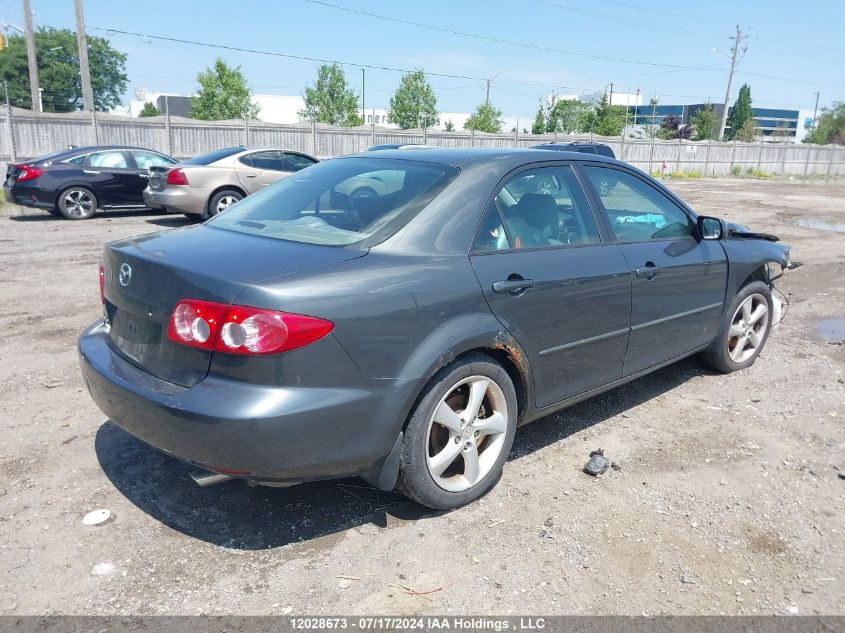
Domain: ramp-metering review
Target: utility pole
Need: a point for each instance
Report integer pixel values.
(734, 53)
(610, 101)
(815, 111)
(363, 93)
(30, 55)
(487, 98)
(84, 69)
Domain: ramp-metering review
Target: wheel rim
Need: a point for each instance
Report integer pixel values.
(362, 193)
(225, 202)
(604, 187)
(545, 186)
(78, 203)
(466, 433)
(748, 328)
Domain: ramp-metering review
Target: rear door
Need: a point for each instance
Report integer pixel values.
(679, 282)
(113, 178)
(555, 281)
(257, 170)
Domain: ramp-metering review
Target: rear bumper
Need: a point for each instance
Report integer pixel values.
(181, 199)
(29, 197)
(273, 433)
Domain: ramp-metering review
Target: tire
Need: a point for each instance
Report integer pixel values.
(451, 481)
(744, 331)
(55, 211)
(222, 200)
(363, 192)
(77, 203)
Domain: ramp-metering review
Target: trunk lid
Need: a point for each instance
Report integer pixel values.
(158, 176)
(146, 276)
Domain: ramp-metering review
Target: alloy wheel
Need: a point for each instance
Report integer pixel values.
(225, 202)
(78, 203)
(467, 433)
(748, 328)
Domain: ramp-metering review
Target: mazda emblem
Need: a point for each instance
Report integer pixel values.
(125, 274)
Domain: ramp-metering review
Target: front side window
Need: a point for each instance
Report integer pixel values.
(637, 211)
(298, 161)
(537, 208)
(351, 202)
(111, 160)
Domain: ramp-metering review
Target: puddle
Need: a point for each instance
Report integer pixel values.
(822, 225)
(832, 330)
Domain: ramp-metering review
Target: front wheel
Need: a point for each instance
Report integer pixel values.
(77, 203)
(744, 331)
(459, 435)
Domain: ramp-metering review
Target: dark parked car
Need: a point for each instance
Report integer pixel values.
(75, 182)
(585, 148)
(305, 334)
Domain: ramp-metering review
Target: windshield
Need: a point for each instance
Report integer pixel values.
(213, 157)
(341, 202)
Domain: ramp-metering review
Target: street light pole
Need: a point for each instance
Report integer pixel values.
(487, 98)
(815, 111)
(735, 52)
(29, 35)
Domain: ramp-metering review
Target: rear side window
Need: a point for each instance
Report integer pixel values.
(145, 160)
(637, 211)
(543, 207)
(602, 150)
(108, 159)
(271, 160)
(347, 202)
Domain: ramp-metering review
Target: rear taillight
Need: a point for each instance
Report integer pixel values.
(176, 177)
(102, 283)
(242, 329)
(27, 173)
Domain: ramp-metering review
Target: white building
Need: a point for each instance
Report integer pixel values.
(617, 98)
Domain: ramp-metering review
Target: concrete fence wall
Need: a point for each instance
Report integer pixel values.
(25, 134)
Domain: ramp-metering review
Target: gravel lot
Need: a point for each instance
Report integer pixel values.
(727, 499)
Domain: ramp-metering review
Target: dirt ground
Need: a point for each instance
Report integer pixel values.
(728, 499)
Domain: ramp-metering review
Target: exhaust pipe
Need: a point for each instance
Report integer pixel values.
(206, 478)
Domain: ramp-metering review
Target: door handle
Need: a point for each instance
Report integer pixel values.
(512, 286)
(649, 271)
(90, 171)
(252, 175)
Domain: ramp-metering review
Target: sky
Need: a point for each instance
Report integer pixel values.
(534, 46)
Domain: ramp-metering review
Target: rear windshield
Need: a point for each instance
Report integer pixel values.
(213, 157)
(348, 202)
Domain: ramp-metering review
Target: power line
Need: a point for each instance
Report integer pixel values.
(239, 49)
(500, 40)
(612, 18)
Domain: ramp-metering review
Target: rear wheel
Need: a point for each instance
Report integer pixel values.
(222, 200)
(744, 331)
(77, 203)
(459, 435)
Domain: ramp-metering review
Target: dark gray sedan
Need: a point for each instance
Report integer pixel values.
(308, 334)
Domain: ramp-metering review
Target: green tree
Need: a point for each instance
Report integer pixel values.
(747, 132)
(609, 119)
(571, 116)
(741, 113)
(486, 118)
(539, 125)
(149, 109)
(830, 127)
(413, 104)
(58, 71)
(702, 122)
(223, 94)
(449, 126)
(330, 100)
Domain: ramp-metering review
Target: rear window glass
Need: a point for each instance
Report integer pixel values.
(351, 202)
(213, 157)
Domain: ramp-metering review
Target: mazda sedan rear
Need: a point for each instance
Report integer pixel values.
(402, 336)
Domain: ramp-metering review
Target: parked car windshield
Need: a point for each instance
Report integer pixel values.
(213, 157)
(351, 202)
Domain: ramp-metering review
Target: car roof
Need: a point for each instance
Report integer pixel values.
(97, 148)
(457, 156)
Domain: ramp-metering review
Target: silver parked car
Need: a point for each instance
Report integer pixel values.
(208, 184)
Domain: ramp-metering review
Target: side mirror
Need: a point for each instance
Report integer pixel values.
(710, 228)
